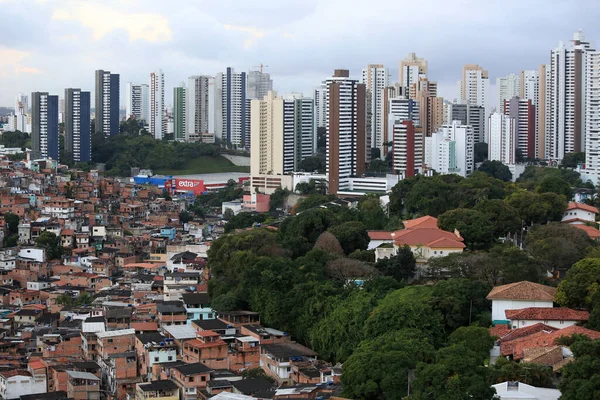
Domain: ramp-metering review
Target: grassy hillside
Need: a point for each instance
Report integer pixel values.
(204, 165)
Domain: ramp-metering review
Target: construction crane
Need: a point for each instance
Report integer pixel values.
(261, 66)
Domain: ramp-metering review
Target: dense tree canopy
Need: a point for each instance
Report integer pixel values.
(496, 170)
(538, 208)
(581, 286)
(557, 246)
(473, 226)
(401, 267)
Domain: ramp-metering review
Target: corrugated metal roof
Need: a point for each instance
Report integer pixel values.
(120, 332)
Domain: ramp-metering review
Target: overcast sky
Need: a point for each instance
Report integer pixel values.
(48, 45)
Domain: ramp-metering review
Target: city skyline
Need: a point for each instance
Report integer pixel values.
(297, 41)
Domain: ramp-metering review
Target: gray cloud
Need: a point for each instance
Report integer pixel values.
(301, 41)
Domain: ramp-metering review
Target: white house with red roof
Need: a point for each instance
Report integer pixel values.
(579, 213)
(423, 237)
(581, 216)
(518, 296)
(558, 318)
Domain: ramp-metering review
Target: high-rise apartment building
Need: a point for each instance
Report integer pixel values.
(107, 102)
(231, 108)
(474, 86)
(272, 136)
(451, 150)
(523, 113)
(44, 126)
(403, 109)
(431, 107)
(19, 120)
(375, 78)
(411, 69)
(592, 115)
(472, 115)
(305, 132)
(158, 120)
(502, 143)
(200, 108)
(507, 87)
(529, 86)
(179, 112)
(321, 105)
(566, 86)
(22, 104)
(78, 139)
(259, 84)
(346, 130)
(133, 101)
(282, 134)
(407, 148)
(544, 145)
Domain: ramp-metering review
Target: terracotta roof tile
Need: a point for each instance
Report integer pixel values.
(425, 236)
(380, 235)
(543, 339)
(423, 222)
(499, 330)
(523, 290)
(547, 314)
(573, 205)
(592, 232)
(144, 326)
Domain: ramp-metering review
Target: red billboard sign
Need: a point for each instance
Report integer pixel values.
(190, 185)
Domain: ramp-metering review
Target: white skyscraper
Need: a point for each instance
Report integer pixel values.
(376, 78)
(411, 69)
(22, 104)
(259, 84)
(232, 123)
(451, 149)
(200, 107)
(507, 87)
(592, 115)
(320, 105)
(158, 120)
(145, 102)
(133, 101)
(305, 132)
(474, 86)
(530, 86)
(566, 125)
(502, 143)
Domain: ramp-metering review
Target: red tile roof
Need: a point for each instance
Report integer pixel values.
(592, 232)
(67, 232)
(573, 205)
(543, 339)
(547, 314)
(513, 334)
(426, 236)
(423, 222)
(380, 235)
(499, 330)
(199, 344)
(523, 290)
(36, 365)
(14, 372)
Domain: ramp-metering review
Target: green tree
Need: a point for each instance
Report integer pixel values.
(379, 367)
(312, 201)
(528, 373)
(558, 246)
(352, 236)
(557, 185)
(278, 197)
(572, 160)
(481, 152)
(371, 213)
(538, 208)
(228, 214)
(244, 220)
(401, 267)
(12, 220)
(185, 217)
(476, 338)
(581, 286)
(255, 373)
(312, 164)
(461, 302)
(336, 336)
(504, 218)
(308, 225)
(581, 378)
(473, 226)
(51, 243)
(457, 374)
(497, 170)
(406, 308)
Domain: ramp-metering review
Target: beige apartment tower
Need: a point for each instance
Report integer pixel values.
(267, 135)
(411, 69)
